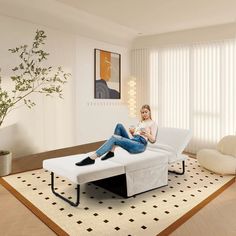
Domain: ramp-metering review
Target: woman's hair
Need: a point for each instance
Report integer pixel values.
(146, 106)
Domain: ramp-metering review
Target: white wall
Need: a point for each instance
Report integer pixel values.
(96, 118)
(50, 124)
(54, 123)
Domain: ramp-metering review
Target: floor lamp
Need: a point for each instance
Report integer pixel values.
(132, 96)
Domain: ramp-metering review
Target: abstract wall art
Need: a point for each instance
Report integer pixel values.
(107, 75)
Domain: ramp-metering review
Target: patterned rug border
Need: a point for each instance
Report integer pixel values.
(59, 231)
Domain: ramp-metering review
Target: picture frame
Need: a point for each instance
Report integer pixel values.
(107, 74)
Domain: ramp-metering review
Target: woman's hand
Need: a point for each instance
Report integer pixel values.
(131, 130)
(144, 133)
(147, 134)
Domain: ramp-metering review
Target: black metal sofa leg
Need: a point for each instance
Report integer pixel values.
(63, 198)
(179, 173)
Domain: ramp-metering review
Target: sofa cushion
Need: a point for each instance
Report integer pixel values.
(227, 145)
(65, 166)
(174, 139)
(142, 160)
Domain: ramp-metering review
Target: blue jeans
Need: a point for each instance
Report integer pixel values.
(137, 144)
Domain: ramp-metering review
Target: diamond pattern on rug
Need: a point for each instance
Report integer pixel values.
(103, 213)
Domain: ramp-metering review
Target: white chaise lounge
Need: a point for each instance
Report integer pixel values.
(140, 172)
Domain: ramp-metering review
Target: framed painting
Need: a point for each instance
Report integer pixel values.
(107, 75)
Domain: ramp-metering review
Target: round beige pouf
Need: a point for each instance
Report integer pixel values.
(217, 162)
(221, 160)
(5, 164)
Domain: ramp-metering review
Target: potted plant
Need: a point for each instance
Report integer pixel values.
(5, 162)
(29, 76)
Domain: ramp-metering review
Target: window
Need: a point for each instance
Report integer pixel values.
(194, 86)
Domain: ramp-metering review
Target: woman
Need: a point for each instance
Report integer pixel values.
(145, 131)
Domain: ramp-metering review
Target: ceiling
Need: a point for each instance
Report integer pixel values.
(148, 17)
(121, 21)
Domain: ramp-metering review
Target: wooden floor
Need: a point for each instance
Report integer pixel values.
(17, 220)
(218, 218)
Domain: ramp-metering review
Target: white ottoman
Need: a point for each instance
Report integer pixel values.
(144, 171)
(221, 160)
(65, 167)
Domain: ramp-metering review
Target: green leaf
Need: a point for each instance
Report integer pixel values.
(30, 76)
(15, 68)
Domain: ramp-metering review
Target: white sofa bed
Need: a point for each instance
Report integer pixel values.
(138, 172)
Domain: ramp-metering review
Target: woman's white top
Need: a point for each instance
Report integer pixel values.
(150, 126)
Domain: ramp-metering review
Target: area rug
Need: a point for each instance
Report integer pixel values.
(101, 212)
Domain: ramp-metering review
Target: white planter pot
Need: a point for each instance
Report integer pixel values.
(5, 164)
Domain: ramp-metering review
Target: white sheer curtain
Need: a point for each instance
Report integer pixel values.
(193, 86)
(169, 83)
(140, 69)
